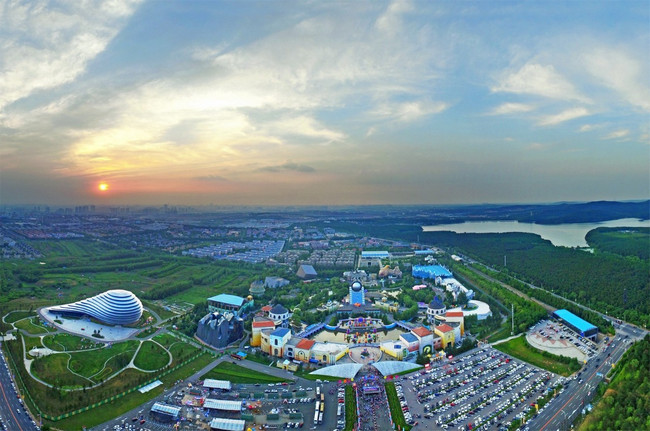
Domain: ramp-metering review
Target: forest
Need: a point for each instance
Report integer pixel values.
(609, 283)
(623, 241)
(625, 402)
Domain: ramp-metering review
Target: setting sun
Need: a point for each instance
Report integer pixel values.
(103, 187)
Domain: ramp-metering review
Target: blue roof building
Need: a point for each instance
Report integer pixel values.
(280, 332)
(228, 303)
(582, 327)
(375, 254)
(430, 271)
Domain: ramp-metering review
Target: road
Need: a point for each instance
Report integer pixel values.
(14, 416)
(563, 409)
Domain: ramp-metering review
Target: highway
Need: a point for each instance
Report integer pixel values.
(562, 410)
(14, 416)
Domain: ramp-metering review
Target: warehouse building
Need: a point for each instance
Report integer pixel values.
(580, 326)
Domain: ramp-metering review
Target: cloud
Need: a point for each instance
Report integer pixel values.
(617, 134)
(47, 44)
(566, 115)
(539, 80)
(588, 127)
(408, 111)
(622, 73)
(511, 108)
(288, 166)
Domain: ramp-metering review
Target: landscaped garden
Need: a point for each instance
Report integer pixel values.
(396, 412)
(151, 357)
(66, 342)
(520, 349)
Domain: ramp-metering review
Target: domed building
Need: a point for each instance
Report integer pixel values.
(279, 314)
(357, 294)
(115, 307)
(435, 308)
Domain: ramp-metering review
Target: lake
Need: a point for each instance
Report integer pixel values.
(567, 235)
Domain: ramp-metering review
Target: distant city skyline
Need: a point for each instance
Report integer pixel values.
(133, 102)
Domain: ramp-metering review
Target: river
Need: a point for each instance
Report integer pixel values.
(567, 235)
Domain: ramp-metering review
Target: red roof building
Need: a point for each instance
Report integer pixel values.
(421, 331)
(444, 328)
(454, 314)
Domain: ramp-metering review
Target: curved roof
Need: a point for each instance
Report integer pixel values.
(387, 368)
(343, 371)
(437, 303)
(115, 307)
(278, 309)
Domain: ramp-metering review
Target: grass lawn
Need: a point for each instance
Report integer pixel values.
(91, 362)
(350, 408)
(53, 369)
(33, 326)
(395, 409)
(520, 349)
(160, 311)
(66, 342)
(31, 342)
(238, 374)
(165, 339)
(181, 349)
(307, 376)
(17, 315)
(500, 334)
(120, 406)
(151, 357)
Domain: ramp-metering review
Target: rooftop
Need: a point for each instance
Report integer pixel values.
(228, 299)
(264, 324)
(444, 328)
(454, 314)
(280, 332)
(409, 338)
(421, 331)
(278, 309)
(305, 344)
(574, 320)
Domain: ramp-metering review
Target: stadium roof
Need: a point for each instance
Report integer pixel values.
(233, 406)
(344, 371)
(217, 384)
(574, 320)
(228, 424)
(164, 408)
(228, 299)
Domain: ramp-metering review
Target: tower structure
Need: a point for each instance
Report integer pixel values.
(357, 294)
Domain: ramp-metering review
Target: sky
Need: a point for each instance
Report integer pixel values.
(323, 103)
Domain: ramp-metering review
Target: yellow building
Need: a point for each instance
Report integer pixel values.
(257, 327)
(446, 334)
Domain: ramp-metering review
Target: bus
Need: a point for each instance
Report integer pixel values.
(320, 417)
(322, 406)
(316, 412)
(322, 396)
(317, 391)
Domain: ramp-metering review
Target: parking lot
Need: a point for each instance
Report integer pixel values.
(482, 389)
(556, 338)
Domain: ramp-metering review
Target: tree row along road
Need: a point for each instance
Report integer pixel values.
(510, 288)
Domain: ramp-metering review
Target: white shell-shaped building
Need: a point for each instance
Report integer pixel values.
(115, 307)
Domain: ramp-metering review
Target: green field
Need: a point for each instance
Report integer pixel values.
(33, 326)
(151, 357)
(53, 369)
(92, 362)
(65, 342)
(17, 315)
(160, 311)
(238, 374)
(31, 342)
(520, 349)
(165, 339)
(395, 409)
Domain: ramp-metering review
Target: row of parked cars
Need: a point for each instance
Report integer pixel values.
(340, 408)
(405, 408)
